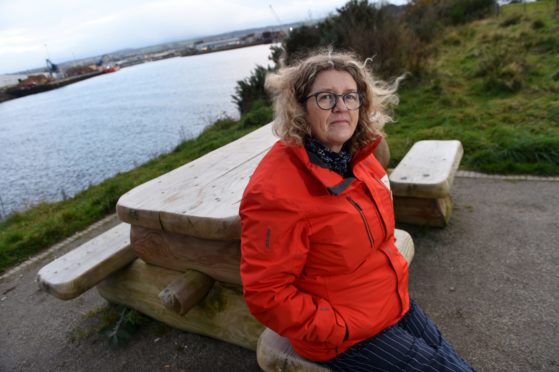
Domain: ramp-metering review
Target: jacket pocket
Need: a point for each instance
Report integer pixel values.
(341, 330)
(364, 219)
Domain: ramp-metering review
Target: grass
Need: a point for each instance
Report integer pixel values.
(494, 85)
(116, 323)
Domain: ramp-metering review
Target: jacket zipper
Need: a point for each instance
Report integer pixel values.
(365, 222)
(389, 258)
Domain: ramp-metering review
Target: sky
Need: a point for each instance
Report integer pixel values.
(63, 30)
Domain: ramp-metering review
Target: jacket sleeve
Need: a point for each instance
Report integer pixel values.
(274, 247)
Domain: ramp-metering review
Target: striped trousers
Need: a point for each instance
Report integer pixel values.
(413, 344)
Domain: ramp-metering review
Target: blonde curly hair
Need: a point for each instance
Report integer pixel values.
(291, 85)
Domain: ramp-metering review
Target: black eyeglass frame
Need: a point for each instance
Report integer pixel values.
(315, 95)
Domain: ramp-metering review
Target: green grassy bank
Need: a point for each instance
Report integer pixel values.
(493, 84)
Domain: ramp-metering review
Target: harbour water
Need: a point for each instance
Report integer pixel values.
(57, 143)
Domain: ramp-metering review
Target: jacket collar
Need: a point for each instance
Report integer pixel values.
(332, 181)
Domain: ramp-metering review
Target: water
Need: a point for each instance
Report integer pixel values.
(55, 144)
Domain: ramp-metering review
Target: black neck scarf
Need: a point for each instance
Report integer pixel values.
(337, 162)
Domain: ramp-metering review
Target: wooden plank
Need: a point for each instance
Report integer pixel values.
(201, 198)
(186, 291)
(222, 314)
(423, 211)
(82, 268)
(274, 354)
(216, 258)
(404, 243)
(427, 170)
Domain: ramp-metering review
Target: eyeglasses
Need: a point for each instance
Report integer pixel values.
(327, 100)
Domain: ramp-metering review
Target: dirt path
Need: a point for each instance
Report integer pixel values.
(489, 280)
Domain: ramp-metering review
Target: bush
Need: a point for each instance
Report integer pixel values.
(424, 18)
(251, 89)
(368, 31)
(427, 16)
(462, 11)
(301, 40)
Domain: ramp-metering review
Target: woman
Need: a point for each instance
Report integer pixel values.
(319, 264)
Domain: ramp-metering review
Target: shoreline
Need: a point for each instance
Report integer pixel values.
(14, 92)
(7, 95)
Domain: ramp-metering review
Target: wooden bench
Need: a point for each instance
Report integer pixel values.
(422, 181)
(82, 268)
(274, 352)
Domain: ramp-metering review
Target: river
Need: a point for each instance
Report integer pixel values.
(57, 143)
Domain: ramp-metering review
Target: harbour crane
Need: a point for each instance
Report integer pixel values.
(52, 68)
(101, 60)
(275, 15)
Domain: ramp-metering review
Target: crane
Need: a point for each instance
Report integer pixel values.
(275, 15)
(101, 60)
(52, 68)
(276, 34)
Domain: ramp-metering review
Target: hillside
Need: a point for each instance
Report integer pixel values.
(494, 85)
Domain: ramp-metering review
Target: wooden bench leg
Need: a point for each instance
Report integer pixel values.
(221, 314)
(423, 211)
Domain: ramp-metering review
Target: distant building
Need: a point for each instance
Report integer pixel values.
(218, 44)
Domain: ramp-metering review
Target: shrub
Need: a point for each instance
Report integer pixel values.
(424, 18)
(462, 11)
(301, 40)
(428, 16)
(251, 89)
(366, 30)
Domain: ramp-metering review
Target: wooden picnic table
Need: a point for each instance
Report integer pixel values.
(181, 263)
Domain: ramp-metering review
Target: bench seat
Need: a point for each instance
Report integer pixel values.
(82, 268)
(274, 352)
(421, 183)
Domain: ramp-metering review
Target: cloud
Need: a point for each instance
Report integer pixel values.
(99, 21)
(17, 41)
(74, 28)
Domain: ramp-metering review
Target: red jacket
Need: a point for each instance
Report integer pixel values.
(318, 263)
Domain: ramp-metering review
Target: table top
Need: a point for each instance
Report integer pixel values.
(200, 198)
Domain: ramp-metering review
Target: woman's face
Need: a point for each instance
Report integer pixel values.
(335, 126)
